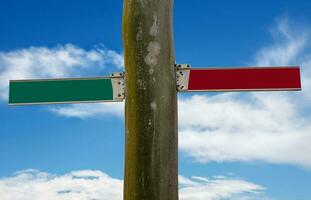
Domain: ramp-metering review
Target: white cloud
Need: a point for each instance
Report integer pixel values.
(228, 128)
(289, 43)
(91, 185)
(77, 185)
(272, 127)
(58, 62)
(200, 188)
(90, 110)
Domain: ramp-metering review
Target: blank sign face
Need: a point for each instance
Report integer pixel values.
(241, 79)
(60, 91)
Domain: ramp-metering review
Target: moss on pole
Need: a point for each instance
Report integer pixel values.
(151, 163)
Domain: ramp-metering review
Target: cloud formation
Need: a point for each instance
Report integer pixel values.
(260, 127)
(58, 62)
(91, 185)
(76, 185)
(201, 188)
(90, 110)
(272, 127)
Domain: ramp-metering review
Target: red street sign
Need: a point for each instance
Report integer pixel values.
(239, 79)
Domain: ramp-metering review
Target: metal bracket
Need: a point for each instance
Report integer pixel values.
(118, 85)
(182, 75)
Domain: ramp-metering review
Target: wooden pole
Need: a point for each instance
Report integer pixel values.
(151, 160)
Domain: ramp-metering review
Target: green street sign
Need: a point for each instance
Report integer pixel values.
(72, 90)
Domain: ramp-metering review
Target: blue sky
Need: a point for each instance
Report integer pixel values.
(232, 145)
